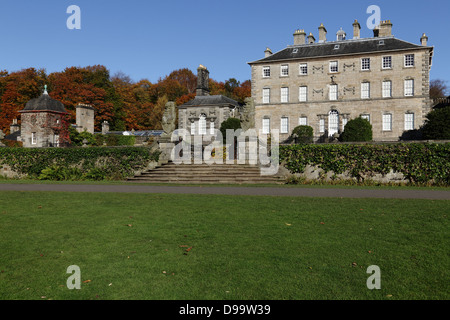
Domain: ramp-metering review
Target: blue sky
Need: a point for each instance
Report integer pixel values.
(148, 39)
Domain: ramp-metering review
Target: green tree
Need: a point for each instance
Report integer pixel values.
(357, 130)
(303, 134)
(437, 125)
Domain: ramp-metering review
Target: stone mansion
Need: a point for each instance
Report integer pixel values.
(324, 83)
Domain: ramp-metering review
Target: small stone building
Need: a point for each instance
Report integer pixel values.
(42, 122)
(205, 113)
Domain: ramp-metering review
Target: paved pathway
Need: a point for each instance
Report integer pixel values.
(253, 191)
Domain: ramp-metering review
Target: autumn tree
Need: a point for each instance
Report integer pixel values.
(438, 89)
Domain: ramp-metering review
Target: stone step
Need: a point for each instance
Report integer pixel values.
(204, 173)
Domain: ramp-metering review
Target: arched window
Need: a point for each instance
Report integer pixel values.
(333, 122)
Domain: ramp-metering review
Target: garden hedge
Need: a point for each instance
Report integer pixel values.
(420, 163)
(112, 163)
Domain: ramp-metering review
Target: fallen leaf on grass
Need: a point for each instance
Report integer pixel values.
(288, 224)
(86, 281)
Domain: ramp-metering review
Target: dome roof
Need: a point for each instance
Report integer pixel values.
(44, 103)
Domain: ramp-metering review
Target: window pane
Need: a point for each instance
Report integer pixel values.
(284, 125)
(303, 94)
(365, 90)
(266, 95)
(322, 125)
(333, 66)
(266, 71)
(409, 60)
(333, 92)
(365, 64)
(303, 69)
(284, 95)
(387, 89)
(266, 126)
(284, 71)
(409, 88)
(387, 62)
(409, 121)
(302, 121)
(387, 122)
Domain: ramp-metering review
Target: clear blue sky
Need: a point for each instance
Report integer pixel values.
(148, 39)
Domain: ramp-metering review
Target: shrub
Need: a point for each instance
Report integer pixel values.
(420, 163)
(92, 163)
(230, 123)
(303, 134)
(357, 130)
(437, 125)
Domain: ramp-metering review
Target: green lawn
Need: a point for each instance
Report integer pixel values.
(134, 246)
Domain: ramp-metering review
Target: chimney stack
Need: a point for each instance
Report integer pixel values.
(424, 40)
(356, 30)
(311, 38)
(267, 53)
(322, 33)
(299, 37)
(202, 81)
(384, 29)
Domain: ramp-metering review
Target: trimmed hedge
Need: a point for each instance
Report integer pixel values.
(419, 163)
(90, 163)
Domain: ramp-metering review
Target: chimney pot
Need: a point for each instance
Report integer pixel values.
(311, 38)
(267, 53)
(424, 40)
(322, 33)
(299, 37)
(356, 30)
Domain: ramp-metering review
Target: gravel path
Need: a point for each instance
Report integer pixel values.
(251, 191)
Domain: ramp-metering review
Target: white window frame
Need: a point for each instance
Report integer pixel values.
(303, 93)
(303, 121)
(33, 138)
(365, 64)
(202, 125)
(365, 90)
(386, 62)
(266, 125)
(284, 70)
(211, 128)
(387, 122)
(409, 121)
(409, 60)
(266, 72)
(193, 128)
(303, 69)
(284, 95)
(321, 125)
(266, 95)
(387, 89)
(333, 92)
(334, 66)
(366, 116)
(284, 125)
(409, 87)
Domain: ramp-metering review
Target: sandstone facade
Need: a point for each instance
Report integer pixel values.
(384, 79)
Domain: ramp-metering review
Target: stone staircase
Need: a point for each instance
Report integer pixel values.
(206, 174)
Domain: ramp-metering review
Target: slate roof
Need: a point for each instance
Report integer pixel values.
(44, 103)
(216, 100)
(346, 47)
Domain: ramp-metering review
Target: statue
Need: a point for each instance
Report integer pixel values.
(169, 118)
(248, 114)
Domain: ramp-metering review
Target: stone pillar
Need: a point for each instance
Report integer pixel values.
(322, 33)
(105, 127)
(356, 30)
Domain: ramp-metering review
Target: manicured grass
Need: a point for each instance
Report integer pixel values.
(134, 246)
